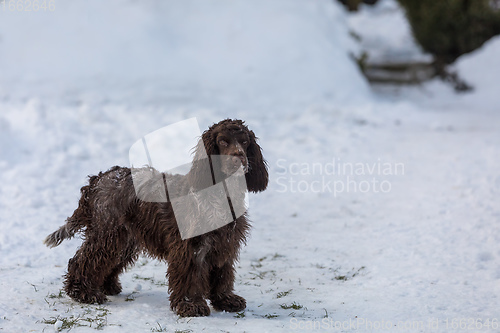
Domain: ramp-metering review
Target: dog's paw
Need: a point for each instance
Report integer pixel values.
(96, 297)
(193, 309)
(113, 288)
(229, 303)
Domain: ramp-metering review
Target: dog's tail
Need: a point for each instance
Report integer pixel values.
(79, 220)
(56, 238)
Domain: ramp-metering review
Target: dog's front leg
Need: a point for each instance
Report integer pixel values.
(221, 290)
(188, 285)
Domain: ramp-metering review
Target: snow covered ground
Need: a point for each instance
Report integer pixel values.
(382, 211)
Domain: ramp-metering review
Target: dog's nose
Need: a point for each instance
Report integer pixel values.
(238, 159)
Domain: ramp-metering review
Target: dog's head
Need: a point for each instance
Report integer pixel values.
(238, 150)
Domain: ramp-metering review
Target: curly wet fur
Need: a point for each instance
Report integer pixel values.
(117, 227)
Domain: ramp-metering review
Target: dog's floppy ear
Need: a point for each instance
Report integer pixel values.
(257, 176)
(201, 174)
(208, 138)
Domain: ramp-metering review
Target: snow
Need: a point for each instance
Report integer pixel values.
(471, 67)
(410, 243)
(232, 48)
(385, 34)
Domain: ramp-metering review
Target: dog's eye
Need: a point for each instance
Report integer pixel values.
(245, 142)
(223, 143)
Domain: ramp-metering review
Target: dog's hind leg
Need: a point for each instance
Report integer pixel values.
(111, 285)
(93, 271)
(86, 273)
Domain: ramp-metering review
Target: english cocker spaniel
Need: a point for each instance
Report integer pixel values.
(117, 226)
